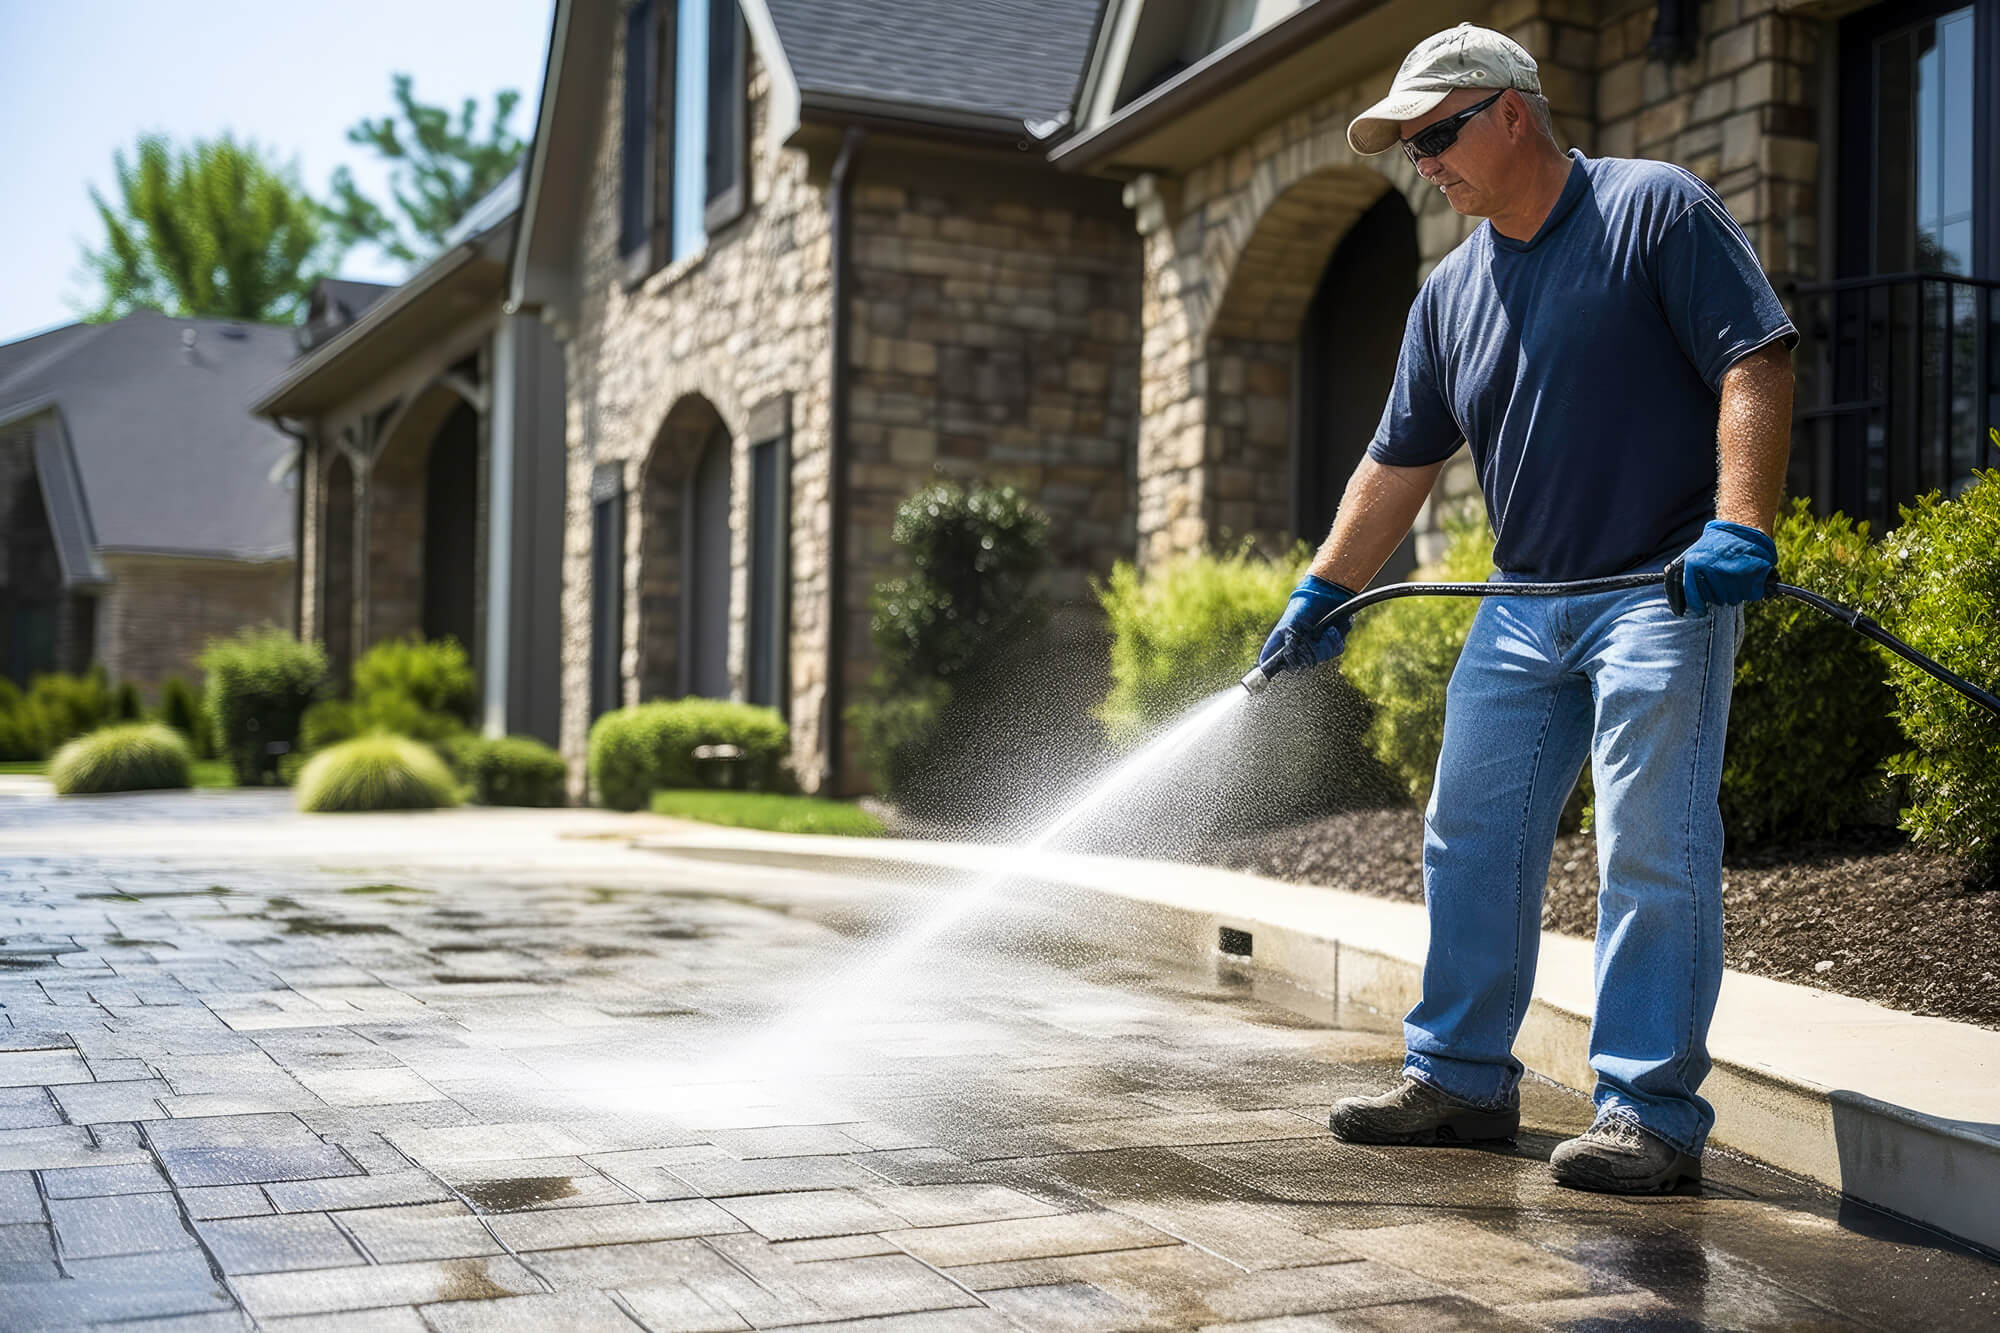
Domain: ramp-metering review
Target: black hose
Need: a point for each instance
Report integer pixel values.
(1854, 620)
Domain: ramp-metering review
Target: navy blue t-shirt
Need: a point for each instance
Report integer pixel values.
(1584, 367)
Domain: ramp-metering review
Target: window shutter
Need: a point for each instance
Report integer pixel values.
(728, 115)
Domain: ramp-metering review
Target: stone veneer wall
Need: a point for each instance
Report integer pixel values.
(161, 611)
(1234, 248)
(741, 322)
(995, 340)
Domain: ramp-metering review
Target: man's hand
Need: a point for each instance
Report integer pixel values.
(1728, 565)
(1305, 636)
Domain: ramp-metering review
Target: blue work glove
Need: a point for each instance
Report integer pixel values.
(1300, 641)
(1728, 564)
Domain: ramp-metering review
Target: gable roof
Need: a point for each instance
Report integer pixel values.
(1012, 60)
(167, 457)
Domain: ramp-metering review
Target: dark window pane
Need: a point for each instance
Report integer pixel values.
(636, 163)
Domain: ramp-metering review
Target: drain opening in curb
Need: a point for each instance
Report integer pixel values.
(1233, 942)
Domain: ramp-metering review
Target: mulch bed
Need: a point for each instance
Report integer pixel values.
(1866, 915)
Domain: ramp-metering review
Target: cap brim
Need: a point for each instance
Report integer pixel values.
(1377, 129)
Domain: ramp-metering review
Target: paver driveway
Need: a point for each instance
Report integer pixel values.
(460, 1072)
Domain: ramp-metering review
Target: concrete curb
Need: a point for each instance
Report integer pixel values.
(1891, 1109)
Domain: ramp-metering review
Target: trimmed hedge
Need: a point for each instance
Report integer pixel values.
(1811, 722)
(260, 684)
(1945, 600)
(513, 770)
(376, 773)
(636, 751)
(142, 756)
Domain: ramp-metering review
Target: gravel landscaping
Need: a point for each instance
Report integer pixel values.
(1866, 915)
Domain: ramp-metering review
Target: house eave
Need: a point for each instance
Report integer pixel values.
(1262, 76)
(448, 291)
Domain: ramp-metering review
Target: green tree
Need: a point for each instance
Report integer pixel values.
(214, 230)
(443, 166)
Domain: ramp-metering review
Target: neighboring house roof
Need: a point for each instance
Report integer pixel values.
(336, 303)
(1016, 59)
(167, 457)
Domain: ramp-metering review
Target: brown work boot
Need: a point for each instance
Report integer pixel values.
(1618, 1155)
(1416, 1114)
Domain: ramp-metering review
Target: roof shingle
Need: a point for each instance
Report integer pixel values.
(1020, 59)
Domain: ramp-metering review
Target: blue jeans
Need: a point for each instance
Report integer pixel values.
(1542, 684)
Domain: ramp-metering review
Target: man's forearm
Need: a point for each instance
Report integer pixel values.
(1754, 437)
(1376, 511)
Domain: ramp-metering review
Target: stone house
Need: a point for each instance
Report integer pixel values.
(1856, 143)
(142, 509)
(431, 460)
(804, 257)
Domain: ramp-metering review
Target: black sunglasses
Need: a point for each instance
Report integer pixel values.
(1440, 135)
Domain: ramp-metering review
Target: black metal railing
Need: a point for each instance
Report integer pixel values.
(1899, 382)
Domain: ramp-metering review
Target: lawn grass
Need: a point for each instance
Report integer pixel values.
(206, 772)
(767, 810)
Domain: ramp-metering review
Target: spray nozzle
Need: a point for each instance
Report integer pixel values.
(1255, 679)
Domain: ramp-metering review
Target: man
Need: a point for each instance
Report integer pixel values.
(1612, 352)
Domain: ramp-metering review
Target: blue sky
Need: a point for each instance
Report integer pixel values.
(80, 79)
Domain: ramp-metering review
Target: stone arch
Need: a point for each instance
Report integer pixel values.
(423, 519)
(685, 553)
(1264, 261)
(336, 562)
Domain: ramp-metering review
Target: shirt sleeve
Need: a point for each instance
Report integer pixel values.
(1417, 428)
(1714, 292)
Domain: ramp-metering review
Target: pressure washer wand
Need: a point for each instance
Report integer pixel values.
(1257, 678)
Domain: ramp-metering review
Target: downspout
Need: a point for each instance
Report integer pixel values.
(840, 235)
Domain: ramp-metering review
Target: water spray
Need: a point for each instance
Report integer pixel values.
(1670, 579)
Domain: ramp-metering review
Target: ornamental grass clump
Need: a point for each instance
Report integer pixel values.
(379, 772)
(1945, 600)
(142, 756)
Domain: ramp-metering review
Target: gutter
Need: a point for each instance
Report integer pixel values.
(377, 315)
(1187, 91)
(934, 122)
(841, 238)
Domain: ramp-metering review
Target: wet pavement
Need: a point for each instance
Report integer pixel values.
(490, 1070)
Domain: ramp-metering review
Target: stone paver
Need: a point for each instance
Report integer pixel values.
(556, 1083)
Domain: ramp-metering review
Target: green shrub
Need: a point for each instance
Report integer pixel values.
(1811, 723)
(514, 770)
(1945, 600)
(181, 709)
(260, 683)
(133, 757)
(67, 706)
(1192, 626)
(948, 636)
(376, 773)
(1185, 629)
(402, 687)
(1401, 655)
(20, 729)
(636, 751)
(433, 677)
(125, 705)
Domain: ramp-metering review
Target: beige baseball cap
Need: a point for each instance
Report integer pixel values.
(1463, 57)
